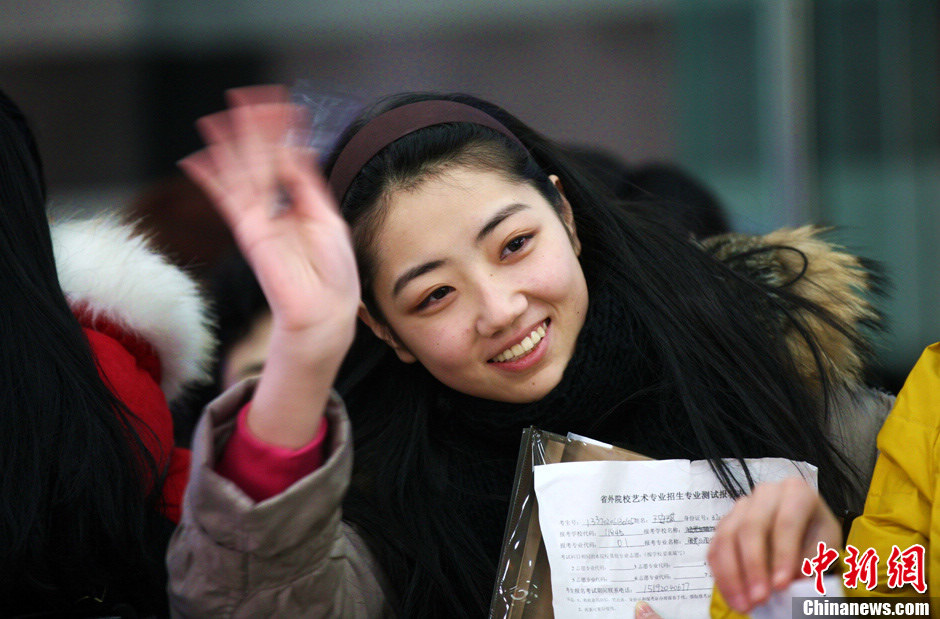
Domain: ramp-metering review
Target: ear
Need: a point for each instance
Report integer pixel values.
(384, 333)
(567, 215)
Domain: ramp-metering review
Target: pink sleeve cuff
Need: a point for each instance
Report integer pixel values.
(263, 470)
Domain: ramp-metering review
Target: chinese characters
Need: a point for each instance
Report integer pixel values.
(904, 567)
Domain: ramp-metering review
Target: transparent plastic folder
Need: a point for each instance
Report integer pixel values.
(523, 584)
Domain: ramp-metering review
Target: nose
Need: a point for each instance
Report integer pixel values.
(501, 304)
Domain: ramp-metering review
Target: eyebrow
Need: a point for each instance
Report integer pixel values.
(414, 272)
(498, 218)
(487, 228)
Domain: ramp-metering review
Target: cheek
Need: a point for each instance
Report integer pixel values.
(558, 276)
(441, 348)
(566, 288)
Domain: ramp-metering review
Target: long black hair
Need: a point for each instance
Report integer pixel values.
(675, 193)
(79, 491)
(713, 377)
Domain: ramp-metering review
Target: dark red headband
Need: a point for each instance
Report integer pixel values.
(399, 122)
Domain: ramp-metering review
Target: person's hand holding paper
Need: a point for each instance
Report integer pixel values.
(759, 546)
(617, 533)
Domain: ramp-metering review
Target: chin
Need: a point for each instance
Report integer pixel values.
(521, 391)
(526, 396)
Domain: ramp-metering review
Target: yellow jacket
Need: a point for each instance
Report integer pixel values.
(900, 508)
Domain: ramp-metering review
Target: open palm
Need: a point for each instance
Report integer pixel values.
(282, 215)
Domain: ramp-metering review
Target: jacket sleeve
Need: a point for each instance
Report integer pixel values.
(288, 556)
(900, 503)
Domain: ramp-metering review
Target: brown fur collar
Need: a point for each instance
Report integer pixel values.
(801, 261)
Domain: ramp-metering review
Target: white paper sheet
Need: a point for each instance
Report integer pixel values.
(619, 532)
(780, 604)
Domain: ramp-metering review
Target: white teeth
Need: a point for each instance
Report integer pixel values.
(522, 347)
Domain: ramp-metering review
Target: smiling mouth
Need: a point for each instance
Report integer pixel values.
(523, 348)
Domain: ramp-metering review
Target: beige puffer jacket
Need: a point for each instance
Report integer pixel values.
(288, 556)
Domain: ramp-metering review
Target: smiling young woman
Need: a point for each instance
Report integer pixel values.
(500, 290)
(491, 267)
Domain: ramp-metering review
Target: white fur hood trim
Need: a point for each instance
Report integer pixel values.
(112, 270)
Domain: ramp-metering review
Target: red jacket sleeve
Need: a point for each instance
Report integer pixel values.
(263, 470)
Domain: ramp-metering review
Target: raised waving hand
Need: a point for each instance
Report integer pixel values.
(288, 227)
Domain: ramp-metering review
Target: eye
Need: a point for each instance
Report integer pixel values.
(515, 245)
(434, 297)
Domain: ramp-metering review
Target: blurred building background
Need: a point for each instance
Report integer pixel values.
(791, 111)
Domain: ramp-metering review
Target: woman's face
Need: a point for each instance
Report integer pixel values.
(479, 280)
(247, 356)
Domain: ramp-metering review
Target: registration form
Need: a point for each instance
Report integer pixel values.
(619, 532)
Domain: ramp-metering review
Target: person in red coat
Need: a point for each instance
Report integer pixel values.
(147, 326)
(97, 333)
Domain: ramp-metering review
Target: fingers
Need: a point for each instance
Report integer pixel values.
(221, 140)
(248, 152)
(754, 541)
(263, 122)
(269, 109)
(724, 560)
(306, 188)
(645, 611)
(260, 130)
(216, 128)
(218, 180)
(201, 168)
(791, 529)
(262, 114)
(257, 95)
(759, 545)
